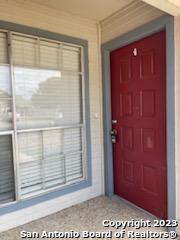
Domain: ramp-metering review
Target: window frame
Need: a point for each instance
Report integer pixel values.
(86, 180)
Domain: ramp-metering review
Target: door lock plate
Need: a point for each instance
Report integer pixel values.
(114, 135)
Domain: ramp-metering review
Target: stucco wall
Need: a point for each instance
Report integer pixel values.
(177, 111)
(26, 13)
(130, 17)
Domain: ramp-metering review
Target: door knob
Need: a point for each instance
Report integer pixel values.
(114, 135)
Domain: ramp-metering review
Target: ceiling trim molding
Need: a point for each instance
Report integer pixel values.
(169, 6)
(136, 4)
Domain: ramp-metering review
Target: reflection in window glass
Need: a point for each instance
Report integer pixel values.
(46, 98)
(5, 99)
(5, 84)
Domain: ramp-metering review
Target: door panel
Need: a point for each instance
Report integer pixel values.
(138, 90)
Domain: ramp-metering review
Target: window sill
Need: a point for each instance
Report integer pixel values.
(45, 196)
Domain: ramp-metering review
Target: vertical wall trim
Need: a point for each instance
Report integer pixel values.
(170, 117)
(100, 101)
(165, 22)
(109, 183)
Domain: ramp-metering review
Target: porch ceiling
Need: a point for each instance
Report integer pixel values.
(92, 9)
(101, 9)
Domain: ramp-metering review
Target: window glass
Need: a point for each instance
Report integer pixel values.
(49, 158)
(50, 55)
(3, 48)
(41, 109)
(24, 51)
(46, 98)
(71, 58)
(5, 99)
(6, 170)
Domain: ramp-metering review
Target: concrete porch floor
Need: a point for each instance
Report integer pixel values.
(85, 216)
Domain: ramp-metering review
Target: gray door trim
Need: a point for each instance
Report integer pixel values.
(165, 22)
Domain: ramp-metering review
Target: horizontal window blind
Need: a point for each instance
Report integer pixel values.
(7, 192)
(24, 51)
(71, 58)
(73, 152)
(41, 107)
(3, 48)
(30, 156)
(33, 52)
(50, 55)
(49, 158)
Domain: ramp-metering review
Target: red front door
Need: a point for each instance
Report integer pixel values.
(138, 92)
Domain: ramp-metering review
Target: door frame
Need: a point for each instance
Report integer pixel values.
(165, 22)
